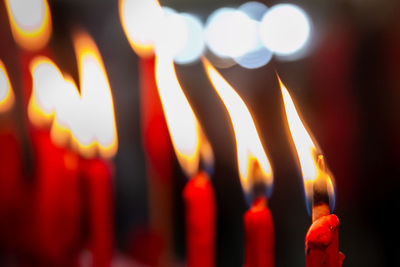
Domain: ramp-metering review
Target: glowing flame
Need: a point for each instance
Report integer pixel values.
(140, 21)
(188, 139)
(254, 166)
(68, 109)
(47, 86)
(316, 176)
(30, 22)
(6, 92)
(96, 123)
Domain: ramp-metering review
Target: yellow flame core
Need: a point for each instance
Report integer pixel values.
(250, 152)
(30, 22)
(6, 92)
(311, 161)
(97, 126)
(188, 139)
(140, 21)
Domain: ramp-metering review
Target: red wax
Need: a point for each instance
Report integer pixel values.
(98, 174)
(322, 243)
(11, 187)
(57, 201)
(157, 145)
(200, 216)
(259, 235)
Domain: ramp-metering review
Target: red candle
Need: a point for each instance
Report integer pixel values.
(322, 239)
(200, 217)
(255, 174)
(138, 20)
(259, 235)
(98, 175)
(158, 150)
(57, 201)
(11, 176)
(192, 150)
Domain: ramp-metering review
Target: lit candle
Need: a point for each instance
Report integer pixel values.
(322, 241)
(57, 196)
(255, 175)
(193, 151)
(95, 133)
(140, 20)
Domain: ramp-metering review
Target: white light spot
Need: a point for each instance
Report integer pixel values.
(285, 29)
(194, 45)
(141, 19)
(255, 10)
(172, 33)
(259, 55)
(230, 32)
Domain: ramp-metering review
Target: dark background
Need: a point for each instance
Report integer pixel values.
(347, 88)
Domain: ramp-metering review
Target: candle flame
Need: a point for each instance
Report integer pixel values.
(6, 92)
(190, 144)
(253, 164)
(30, 22)
(54, 100)
(316, 176)
(140, 21)
(97, 128)
(47, 85)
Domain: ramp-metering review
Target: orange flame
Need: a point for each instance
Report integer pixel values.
(97, 128)
(253, 164)
(189, 142)
(316, 176)
(30, 22)
(6, 92)
(140, 21)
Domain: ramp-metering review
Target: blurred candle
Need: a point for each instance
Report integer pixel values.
(322, 241)
(56, 169)
(10, 166)
(193, 151)
(140, 20)
(255, 175)
(94, 130)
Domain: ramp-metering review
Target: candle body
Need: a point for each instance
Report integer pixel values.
(322, 243)
(259, 235)
(11, 188)
(200, 216)
(57, 201)
(157, 145)
(98, 175)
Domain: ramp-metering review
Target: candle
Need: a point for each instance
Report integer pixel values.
(56, 169)
(255, 174)
(11, 176)
(200, 216)
(95, 135)
(322, 241)
(158, 150)
(98, 175)
(140, 21)
(192, 150)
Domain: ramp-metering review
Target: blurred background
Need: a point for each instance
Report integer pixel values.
(345, 82)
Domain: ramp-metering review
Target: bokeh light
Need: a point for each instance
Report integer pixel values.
(194, 45)
(259, 55)
(230, 32)
(285, 29)
(172, 33)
